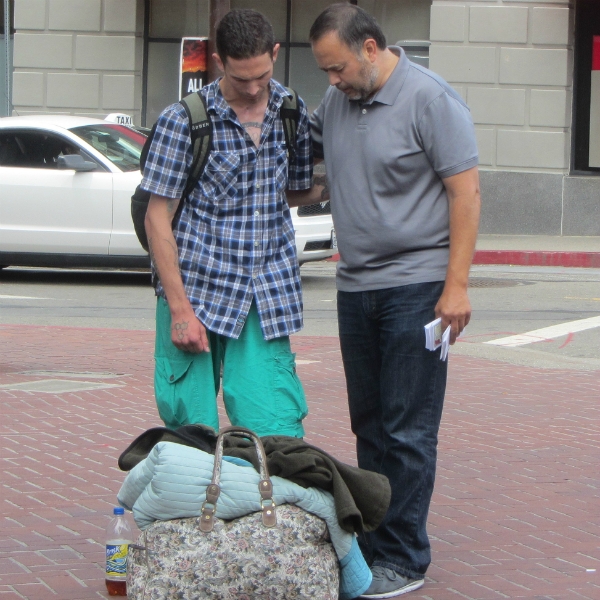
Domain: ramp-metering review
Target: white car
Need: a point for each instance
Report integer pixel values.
(65, 196)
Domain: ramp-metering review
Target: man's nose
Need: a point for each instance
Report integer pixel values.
(253, 88)
(334, 78)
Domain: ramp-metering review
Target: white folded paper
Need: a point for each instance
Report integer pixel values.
(434, 338)
(445, 344)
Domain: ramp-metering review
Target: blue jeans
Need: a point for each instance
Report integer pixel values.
(395, 392)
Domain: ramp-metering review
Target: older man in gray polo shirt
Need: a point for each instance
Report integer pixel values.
(399, 147)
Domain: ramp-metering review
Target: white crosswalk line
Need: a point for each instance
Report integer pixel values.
(8, 297)
(546, 333)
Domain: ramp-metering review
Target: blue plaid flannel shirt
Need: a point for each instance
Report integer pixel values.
(235, 234)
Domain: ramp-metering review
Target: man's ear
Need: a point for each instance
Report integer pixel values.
(370, 49)
(276, 51)
(218, 62)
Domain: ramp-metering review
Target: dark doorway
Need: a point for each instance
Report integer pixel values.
(586, 99)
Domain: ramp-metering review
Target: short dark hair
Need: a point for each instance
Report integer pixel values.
(353, 25)
(244, 33)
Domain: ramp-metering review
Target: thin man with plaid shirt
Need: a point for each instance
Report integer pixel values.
(228, 285)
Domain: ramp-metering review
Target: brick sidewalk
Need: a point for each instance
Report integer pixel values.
(515, 512)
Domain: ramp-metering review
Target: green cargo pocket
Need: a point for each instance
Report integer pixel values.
(175, 388)
(290, 399)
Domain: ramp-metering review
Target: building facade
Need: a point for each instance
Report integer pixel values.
(525, 69)
(528, 69)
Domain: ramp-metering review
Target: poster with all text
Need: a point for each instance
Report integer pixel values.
(193, 65)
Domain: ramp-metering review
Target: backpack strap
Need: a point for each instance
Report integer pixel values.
(201, 134)
(290, 116)
(146, 148)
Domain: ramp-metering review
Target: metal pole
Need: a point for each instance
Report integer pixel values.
(146, 34)
(217, 10)
(288, 42)
(7, 51)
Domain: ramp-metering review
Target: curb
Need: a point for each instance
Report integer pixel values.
(537, 258)
(531, 258)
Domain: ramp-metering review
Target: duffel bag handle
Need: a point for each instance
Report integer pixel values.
(265, 487)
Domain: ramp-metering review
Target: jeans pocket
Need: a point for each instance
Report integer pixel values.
(175, 389)
(290, 399)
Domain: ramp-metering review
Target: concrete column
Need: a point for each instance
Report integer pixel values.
(515, 61)
(512, 60)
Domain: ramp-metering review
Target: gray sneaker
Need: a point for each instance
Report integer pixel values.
(389, 584)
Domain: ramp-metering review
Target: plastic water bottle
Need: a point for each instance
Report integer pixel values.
(118, 538)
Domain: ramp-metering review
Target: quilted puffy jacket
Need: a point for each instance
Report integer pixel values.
(171, 484)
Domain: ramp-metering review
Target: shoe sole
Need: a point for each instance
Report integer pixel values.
(409, 588)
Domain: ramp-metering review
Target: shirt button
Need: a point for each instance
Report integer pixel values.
(257, 187)
(364, 111)
(255, 244)
(254, 275)
(256, 213)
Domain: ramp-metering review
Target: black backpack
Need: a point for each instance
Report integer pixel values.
(201, 132)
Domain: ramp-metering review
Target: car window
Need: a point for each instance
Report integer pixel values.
(33, 149)
(121, 145)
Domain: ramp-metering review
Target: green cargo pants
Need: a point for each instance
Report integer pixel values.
(261, 390)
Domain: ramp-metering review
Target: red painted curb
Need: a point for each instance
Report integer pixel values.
(531, 258)
(537, 258)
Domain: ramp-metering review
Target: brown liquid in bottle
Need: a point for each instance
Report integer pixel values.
(116, 588)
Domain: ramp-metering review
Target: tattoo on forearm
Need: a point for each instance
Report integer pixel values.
(180, 328)
(152, 256)
(175, 254)
(151, 250)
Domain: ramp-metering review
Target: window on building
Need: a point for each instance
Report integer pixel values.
(586, 123)
(7, 9)
(170, 20)
(404, 23)
(167, 21)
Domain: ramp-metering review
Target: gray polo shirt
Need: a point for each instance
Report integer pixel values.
(385, 161)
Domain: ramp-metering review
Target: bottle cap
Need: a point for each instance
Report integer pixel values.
(118, 510)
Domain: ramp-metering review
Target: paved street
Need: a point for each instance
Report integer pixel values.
(506, 300)
(516, 507)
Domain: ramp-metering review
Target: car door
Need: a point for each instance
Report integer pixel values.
(124, 241)
(44, 209)
(122, 147)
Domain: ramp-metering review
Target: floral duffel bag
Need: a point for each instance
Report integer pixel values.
(279, 553)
